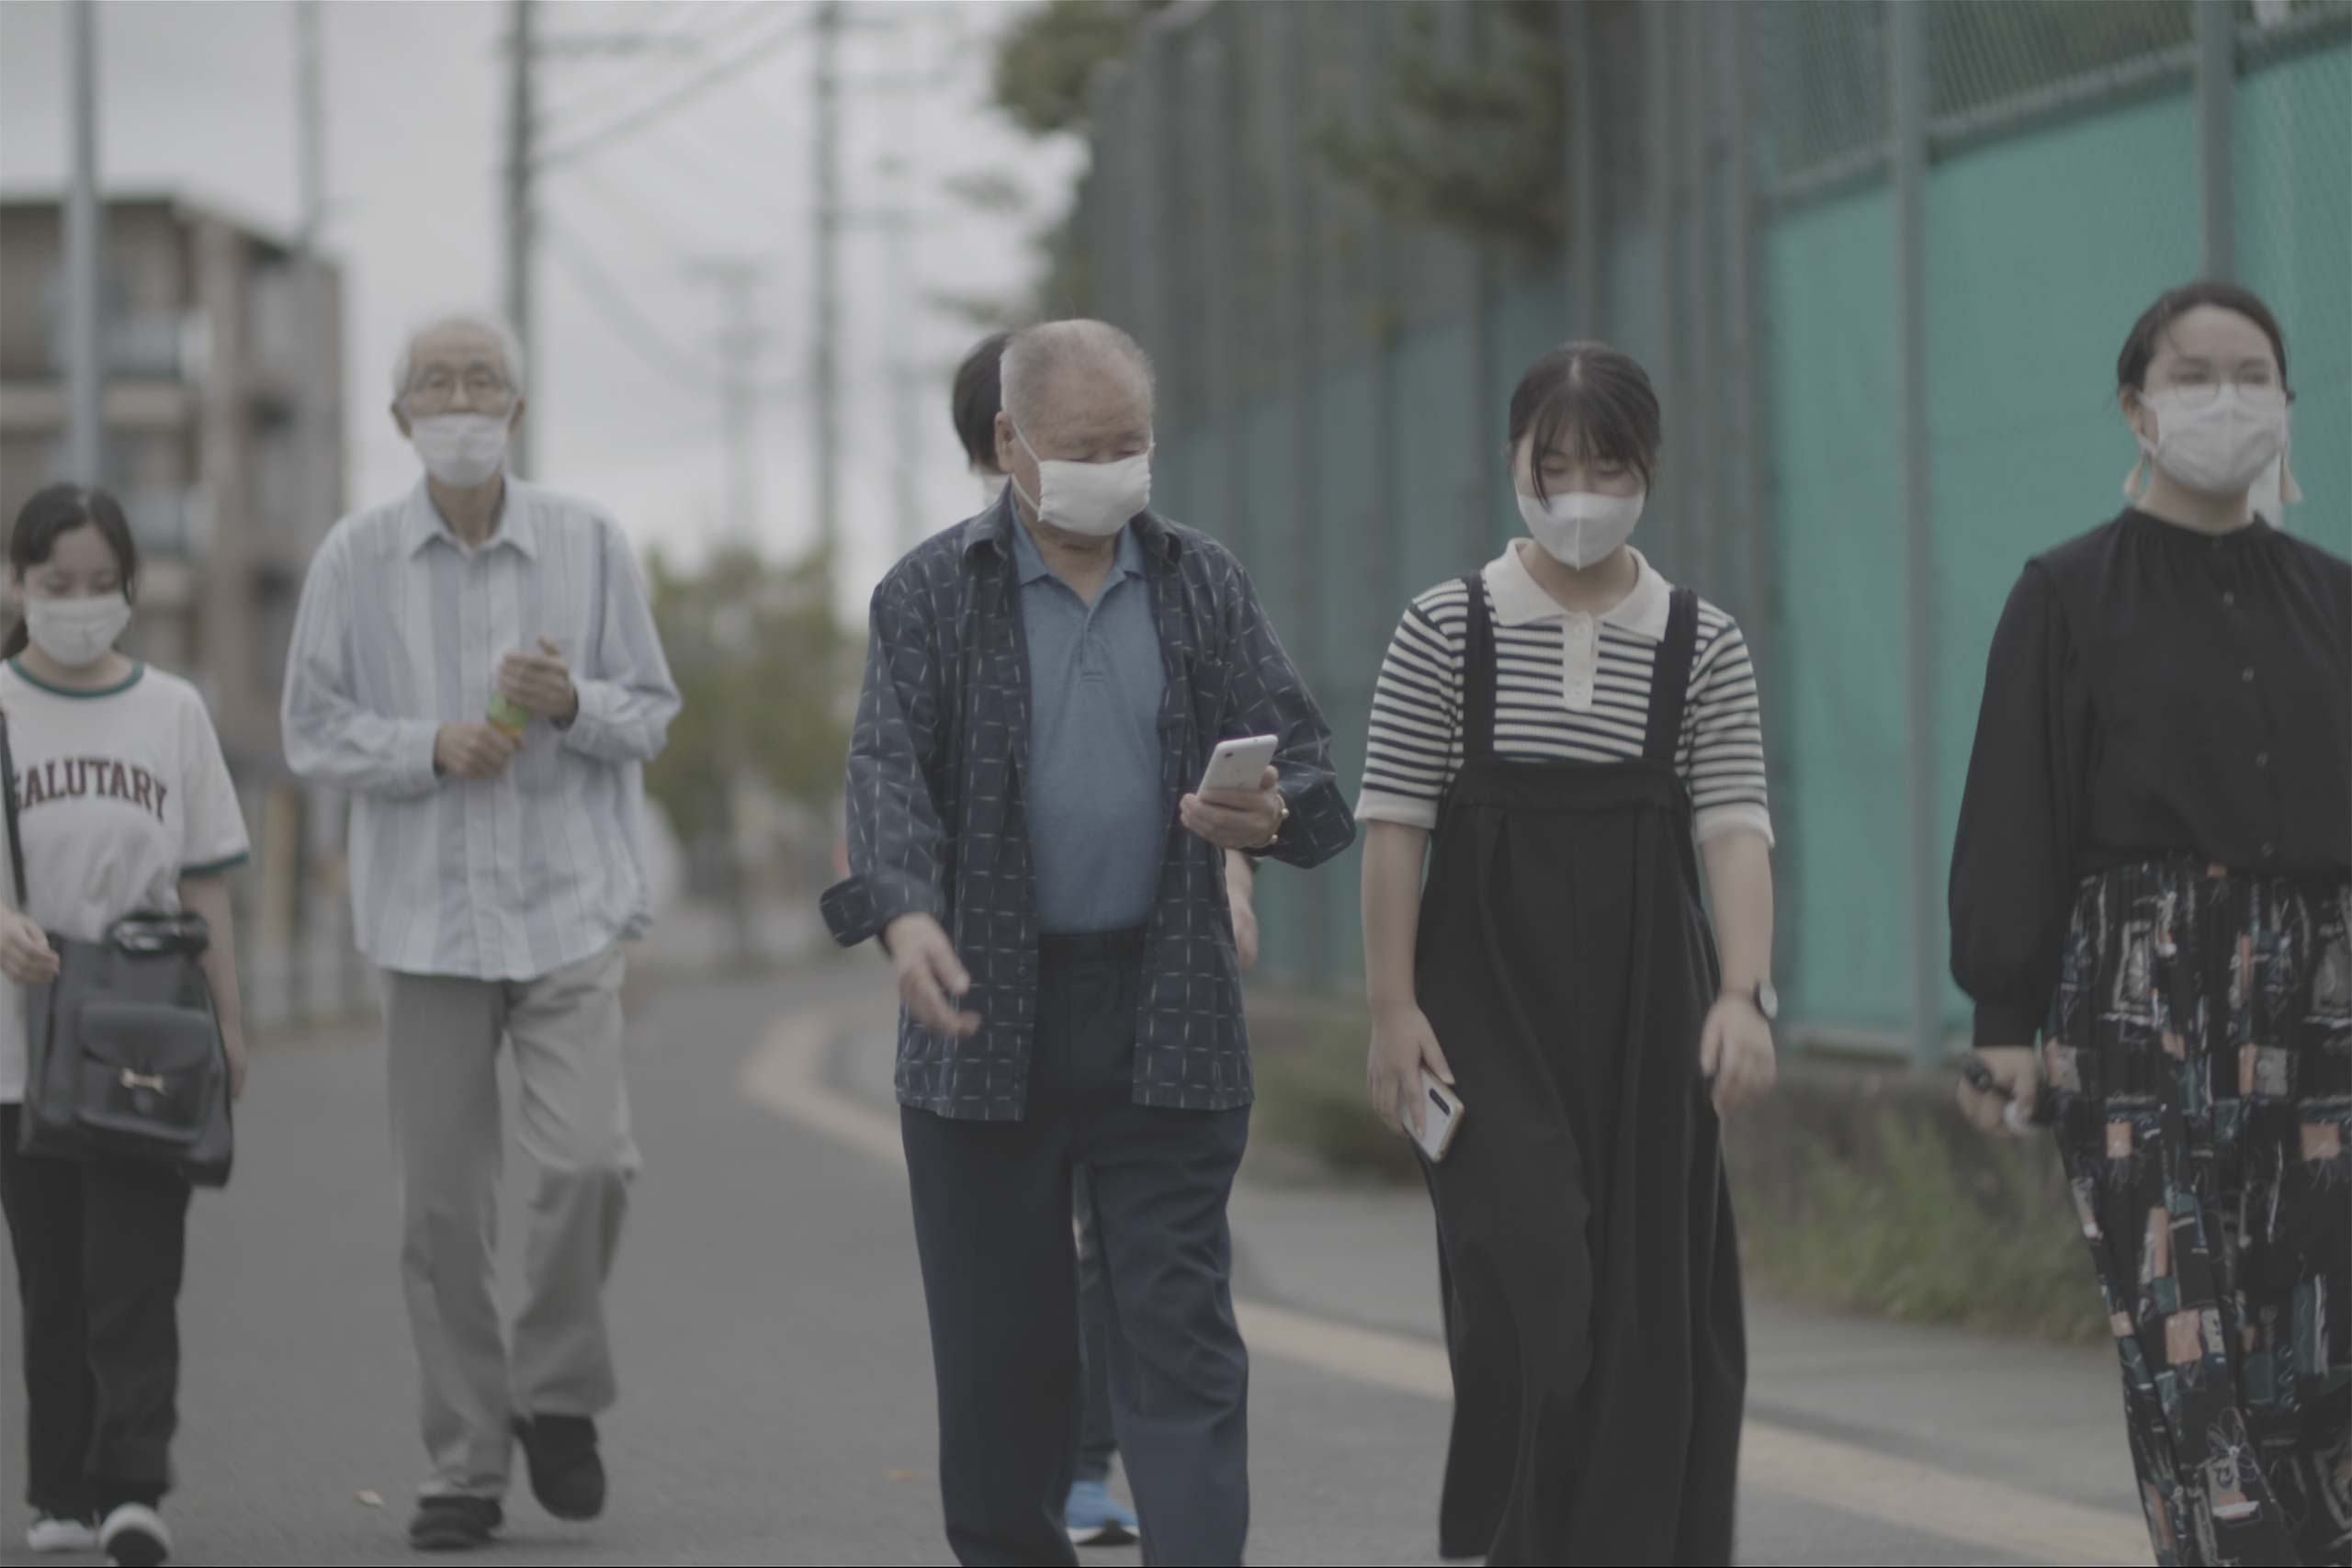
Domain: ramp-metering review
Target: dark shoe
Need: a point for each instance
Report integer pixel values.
(134, 1537)
(566, 1475)
(455, 1524)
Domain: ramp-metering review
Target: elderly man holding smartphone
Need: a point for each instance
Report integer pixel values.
(1044, 686)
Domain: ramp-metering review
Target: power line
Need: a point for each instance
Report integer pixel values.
(640, 332)
(628, 124)
(693, 35)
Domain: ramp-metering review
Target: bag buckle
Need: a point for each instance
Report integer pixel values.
(141, 1080)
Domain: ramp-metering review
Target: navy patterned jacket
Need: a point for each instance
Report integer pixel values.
(936, 824)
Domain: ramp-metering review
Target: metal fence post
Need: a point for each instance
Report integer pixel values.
(1907, 66)
(2217, 86)
(1300, 383)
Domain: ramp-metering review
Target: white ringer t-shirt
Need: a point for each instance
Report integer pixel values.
(123, 792)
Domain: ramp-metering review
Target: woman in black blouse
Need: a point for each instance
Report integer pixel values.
(2155, 872)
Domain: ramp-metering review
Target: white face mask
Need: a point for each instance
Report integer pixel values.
(77, 633)
(2214, 441)
(1092, 499)
(1580, 528)
(461, 450)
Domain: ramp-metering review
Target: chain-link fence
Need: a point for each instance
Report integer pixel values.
(1878, 257)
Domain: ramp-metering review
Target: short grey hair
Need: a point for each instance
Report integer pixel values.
(510, 346)
(1038, 355)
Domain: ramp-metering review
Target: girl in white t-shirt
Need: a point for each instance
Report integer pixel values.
(125, 805)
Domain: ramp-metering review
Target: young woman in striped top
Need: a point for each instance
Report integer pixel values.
(1571, 732)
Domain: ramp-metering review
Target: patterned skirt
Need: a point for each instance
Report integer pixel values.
(2201, 1046)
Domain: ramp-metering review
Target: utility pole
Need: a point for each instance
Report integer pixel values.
(825, 379)
(521, 58)
(85, 257)
(737, 279)
(740, 343)
(315, 431)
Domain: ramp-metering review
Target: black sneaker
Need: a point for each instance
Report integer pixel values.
(566, 1475)
(134, 1536)
(455, 1524)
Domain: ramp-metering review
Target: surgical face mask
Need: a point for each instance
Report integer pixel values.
(76, 633)
(461, 450)
(1580, 528)
(1092, 499)
(2215, 440)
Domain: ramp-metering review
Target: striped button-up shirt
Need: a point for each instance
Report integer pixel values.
(401, 631)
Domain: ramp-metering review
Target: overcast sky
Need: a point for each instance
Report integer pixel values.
(200, 97)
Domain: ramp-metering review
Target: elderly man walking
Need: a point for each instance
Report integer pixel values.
(476, 662)
(1044, 686)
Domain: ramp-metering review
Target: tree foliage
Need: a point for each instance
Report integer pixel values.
(767, 675)
(1475, 149)
(1046, 58)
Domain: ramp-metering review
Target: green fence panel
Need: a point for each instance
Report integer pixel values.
(1842, 825)
(2294, 188)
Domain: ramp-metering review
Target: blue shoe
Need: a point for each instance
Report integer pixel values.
(1094, 1517)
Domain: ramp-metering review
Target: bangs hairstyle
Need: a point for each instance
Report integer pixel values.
(2150, 332)
(1591, 401)
(977, 394)
(58, 511)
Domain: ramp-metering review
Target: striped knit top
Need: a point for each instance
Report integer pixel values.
(1570, 687)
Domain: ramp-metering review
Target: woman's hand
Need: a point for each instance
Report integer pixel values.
(1736, 1053)
(233, 1042)
(2016, 1079)
(1403, 1043)
(26, 956)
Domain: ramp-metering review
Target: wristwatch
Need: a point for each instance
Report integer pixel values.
(1767, 1000)
(1275, 838)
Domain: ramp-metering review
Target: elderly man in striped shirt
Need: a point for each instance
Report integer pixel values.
(476, 662)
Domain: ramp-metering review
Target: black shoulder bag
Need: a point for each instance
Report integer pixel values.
(124, 1057)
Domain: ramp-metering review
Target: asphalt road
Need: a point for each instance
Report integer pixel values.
(776, 1402)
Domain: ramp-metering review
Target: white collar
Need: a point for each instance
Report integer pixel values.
(1520, 600)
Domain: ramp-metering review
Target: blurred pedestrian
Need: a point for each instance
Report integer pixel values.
(1559, 737)
(476, 661)
(1042, 685)
(1093, 1516)
(2153, 871)
(124, 805)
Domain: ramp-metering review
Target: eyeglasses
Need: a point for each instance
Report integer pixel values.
(2196, 390)
(436, 388)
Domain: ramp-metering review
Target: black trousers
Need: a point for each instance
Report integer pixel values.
(1097, 1443)
(99, 1247)
(993, 1201)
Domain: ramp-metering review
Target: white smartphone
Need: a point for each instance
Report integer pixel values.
(1239, 765)
(1440, 1117)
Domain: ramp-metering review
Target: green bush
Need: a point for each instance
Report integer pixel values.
(1857, 1190)
(1908, 1234)
(1311, 1096)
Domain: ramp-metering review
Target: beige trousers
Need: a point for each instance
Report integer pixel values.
(443, 1037)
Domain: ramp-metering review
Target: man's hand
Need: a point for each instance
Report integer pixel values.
(473, 751)
(26, 956)
(929, 974)
(1237, 819)
(2016, 1079)
(541, 683)
(1736, 1051)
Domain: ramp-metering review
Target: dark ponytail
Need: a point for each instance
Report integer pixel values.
(58, 511)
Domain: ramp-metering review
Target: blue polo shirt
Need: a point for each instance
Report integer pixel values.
(1097, 823)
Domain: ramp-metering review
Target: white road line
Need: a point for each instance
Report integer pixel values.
(786, 1074)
